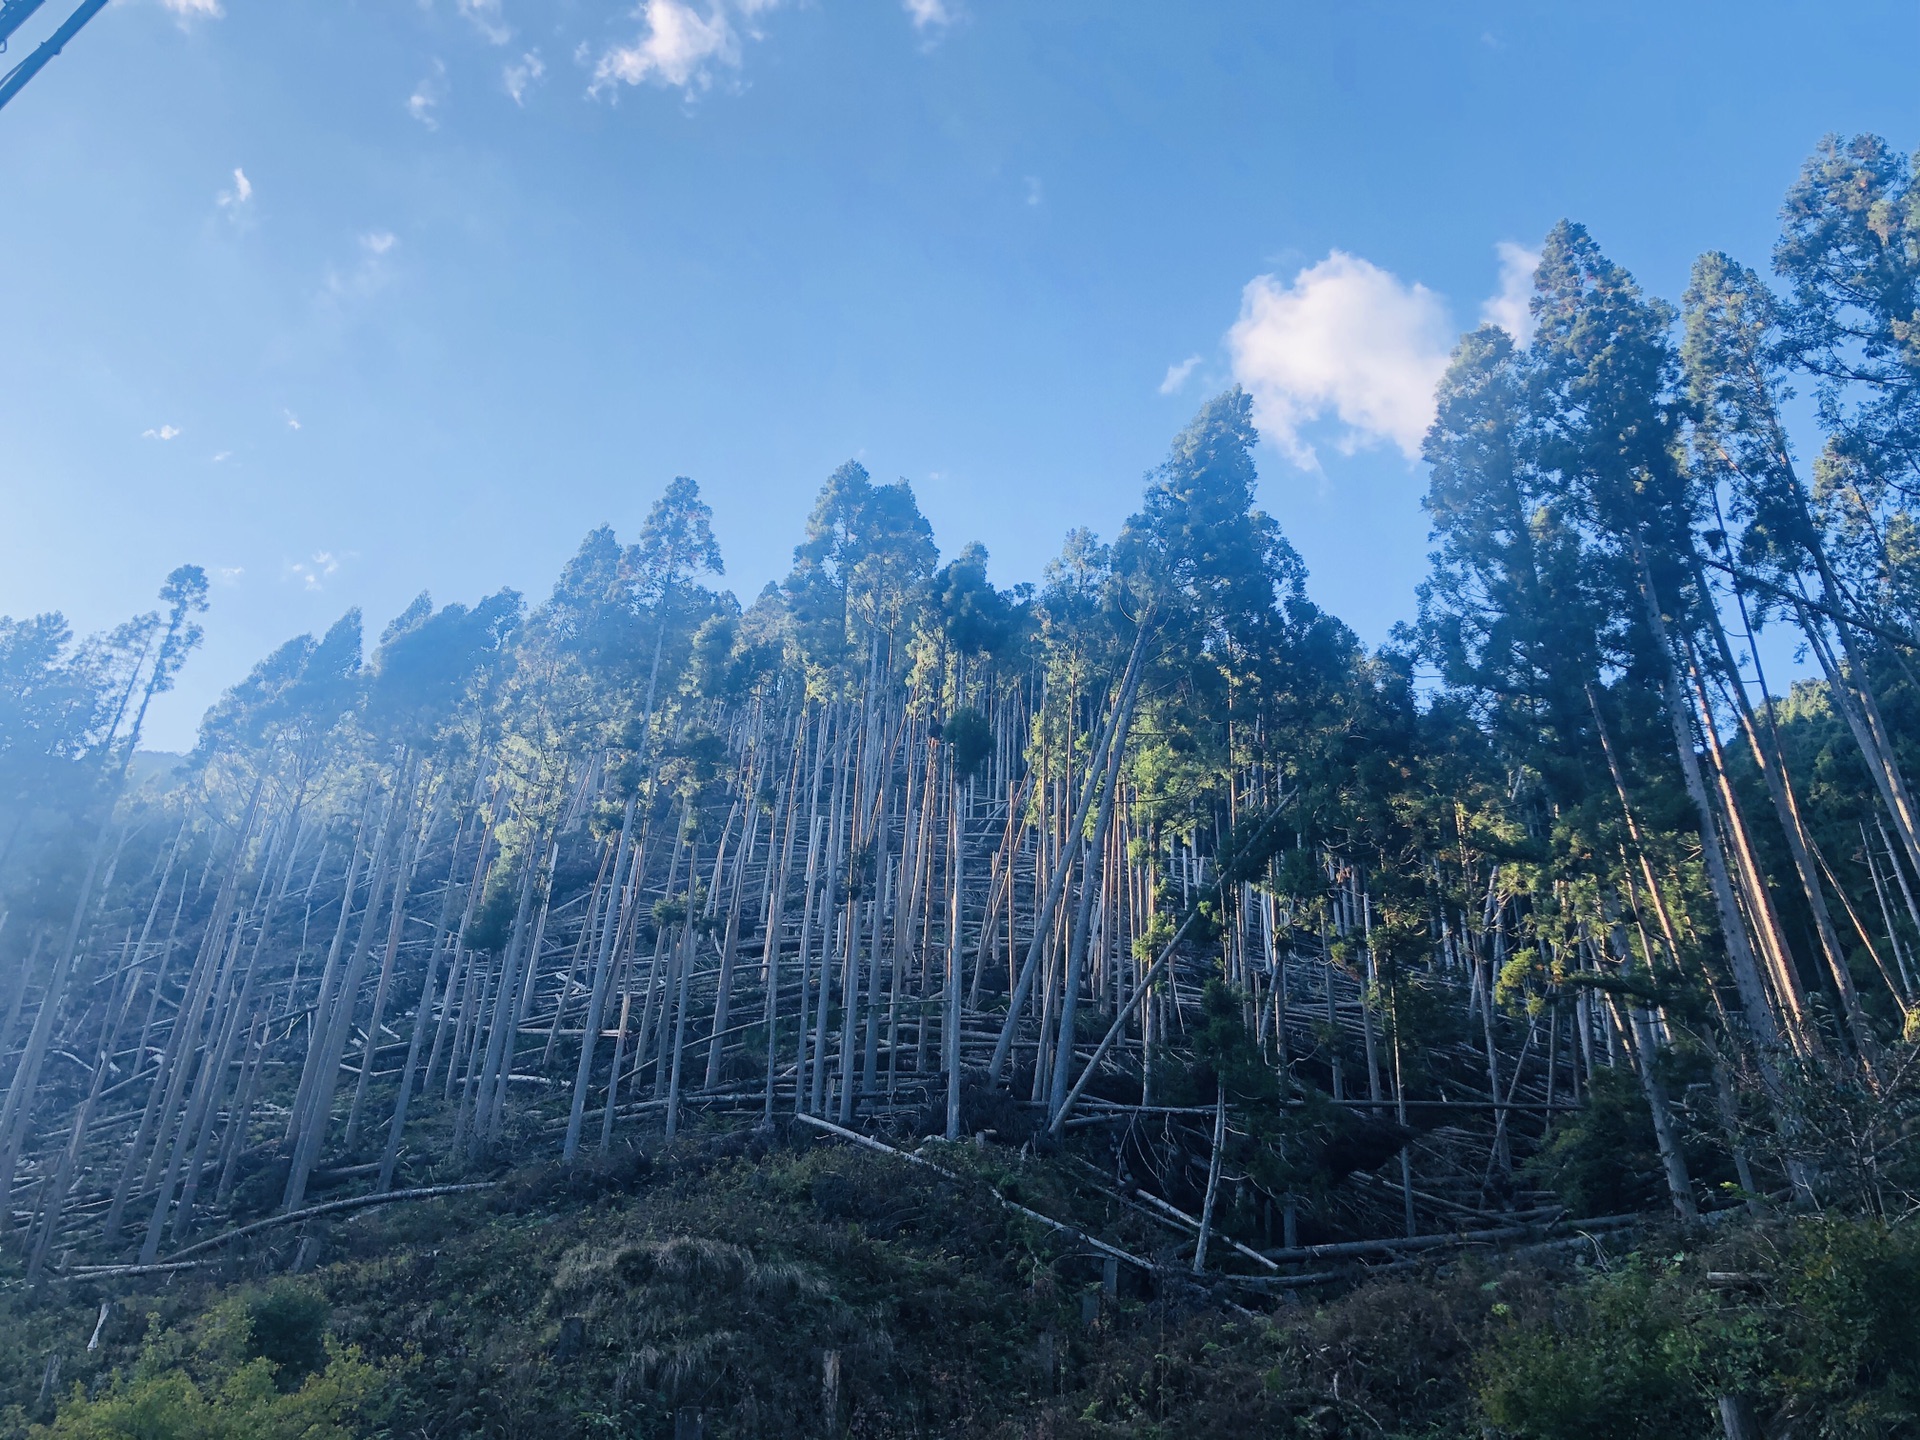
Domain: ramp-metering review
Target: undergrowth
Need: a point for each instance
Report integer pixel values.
(729, 1289)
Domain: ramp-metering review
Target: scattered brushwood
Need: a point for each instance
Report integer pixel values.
(826, 1290)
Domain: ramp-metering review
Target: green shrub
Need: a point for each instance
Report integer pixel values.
(1602, 1160)
(258, 1366)
(1599, 1366)
(1812, 1327)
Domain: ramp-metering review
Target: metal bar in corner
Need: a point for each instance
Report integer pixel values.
(16, 79)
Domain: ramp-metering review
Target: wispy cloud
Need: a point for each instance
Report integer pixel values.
(1176, 377)
(194, 9)
(293, 420)
(346, 286)
(163, 432)
(1345, 338)
(930, 17)
(522, 77)
(313, 574)
(229, 574)
(428, 95)
(1509, 309)
(366, 276)
(239, 195)
(222, 455)
(681, 47)
(485, 16)
(1036, 191)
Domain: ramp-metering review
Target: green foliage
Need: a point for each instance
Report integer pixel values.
(286, 1324)
(1153, 937)
(1850, 252)
(258, 1366)
(977, 619)
(1812, 1328)
(676, 543)
(1603, 1368)
(867, 555)
(422, 674)
(1227, 1050)
(971, 740)
(1602, 1160)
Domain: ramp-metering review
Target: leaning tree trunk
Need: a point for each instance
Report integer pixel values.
(1089, 888)
(596, 1002)
(1069, 852)
(1754, 1002)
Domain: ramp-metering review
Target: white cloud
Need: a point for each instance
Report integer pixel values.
(1036, 192)
(520, 78)
(223, 455)
(929, 15)
(229, 574)
(1509, 308)
(681, 47)
(345, 287)
(293, 420)
(314, 573)
(428, 95)
(485, 16)
(1344, 338)
(165, 432)
(239, 195)
(194, 9)
(1177, 375)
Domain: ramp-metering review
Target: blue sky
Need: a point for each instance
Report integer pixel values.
(347, 298)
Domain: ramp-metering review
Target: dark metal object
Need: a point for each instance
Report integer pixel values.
(12, 14)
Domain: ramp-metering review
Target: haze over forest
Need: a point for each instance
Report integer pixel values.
(896, 998)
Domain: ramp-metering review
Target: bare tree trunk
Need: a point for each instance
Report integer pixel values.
(721, 1007)
(870, 1048)
(237, 1022)
(1760, 1017)
(775, 926)
(805, 959)
(955, 944)
(596, 1003)
(1760, 906)
(680, 1004)
(403, 1099)
(1647, 1053)
(1213, 1177)
(1853, 698)
(518, 978)
(165, 1181)
(599, 906)
(396, 924)
(1042, 921)
(329, 975)
(1089, 889)
(54, 1203)
(1770, 758)
(334, 1033)
(823, 1002)
(241, 1121)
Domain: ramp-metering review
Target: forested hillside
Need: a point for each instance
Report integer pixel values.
(902, 1004)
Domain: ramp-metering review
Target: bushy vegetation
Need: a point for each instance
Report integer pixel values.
(827, 1291)
(260, 1364)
